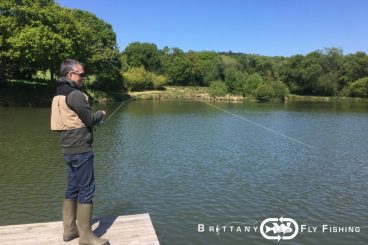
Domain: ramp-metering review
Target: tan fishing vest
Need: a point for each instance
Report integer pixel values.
(62, 117)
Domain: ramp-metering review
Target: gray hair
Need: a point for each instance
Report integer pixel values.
(68, 66)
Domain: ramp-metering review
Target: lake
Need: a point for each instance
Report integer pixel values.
(195, 167)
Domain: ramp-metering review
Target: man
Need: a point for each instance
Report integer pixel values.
(72, 117)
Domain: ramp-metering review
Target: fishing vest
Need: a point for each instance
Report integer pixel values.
(62, 117)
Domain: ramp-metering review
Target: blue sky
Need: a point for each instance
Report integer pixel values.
(265, 27)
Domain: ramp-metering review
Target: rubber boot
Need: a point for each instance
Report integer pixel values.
(86, 236)
(69, 218)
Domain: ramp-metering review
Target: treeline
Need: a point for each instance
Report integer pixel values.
(36, 35)
(325, 72)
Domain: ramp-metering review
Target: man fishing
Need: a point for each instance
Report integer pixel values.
(73, 118)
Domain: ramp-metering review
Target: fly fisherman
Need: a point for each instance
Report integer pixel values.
(73, 118)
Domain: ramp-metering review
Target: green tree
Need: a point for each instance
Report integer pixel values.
(143, 54)
(7, 25)
(301, 73)
(210, 66)
(176, 65)
(251, 83)
(37, 35)
(195, 69)
(264, 92)
(96, 45)
(38, 48)
(355, 66)
(270, 91)
(327, 85)
(235, 80)
(158, 81)
(138, 79)
(358, 88)
(280, 90)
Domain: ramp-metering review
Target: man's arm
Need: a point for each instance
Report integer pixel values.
(78, 103)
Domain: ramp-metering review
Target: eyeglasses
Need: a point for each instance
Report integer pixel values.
(80, 74)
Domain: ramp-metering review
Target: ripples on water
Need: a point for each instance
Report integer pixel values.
(187, 164)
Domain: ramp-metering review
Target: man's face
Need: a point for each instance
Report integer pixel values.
(77, 75)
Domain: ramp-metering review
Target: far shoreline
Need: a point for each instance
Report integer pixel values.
(169, 93)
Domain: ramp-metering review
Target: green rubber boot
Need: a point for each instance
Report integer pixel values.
(86, 236)
(69, 218)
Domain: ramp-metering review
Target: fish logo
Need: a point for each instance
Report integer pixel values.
(280, 228)
(271, 228)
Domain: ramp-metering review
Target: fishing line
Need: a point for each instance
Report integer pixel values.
(122, 103)
(230, 113)
(259, 125)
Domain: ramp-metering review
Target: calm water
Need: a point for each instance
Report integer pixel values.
(187, 163)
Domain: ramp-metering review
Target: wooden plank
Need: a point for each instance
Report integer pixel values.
(129, 229)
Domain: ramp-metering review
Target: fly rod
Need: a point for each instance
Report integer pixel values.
(121, 104)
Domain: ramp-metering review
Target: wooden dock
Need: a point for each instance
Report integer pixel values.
(127, 230)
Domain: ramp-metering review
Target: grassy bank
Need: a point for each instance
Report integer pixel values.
(186, 93)
(325, 99)
(202, 93)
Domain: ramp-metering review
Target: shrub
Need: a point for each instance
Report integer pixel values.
(271, 91)
(217, 88)
(326, 85)
(252, 82)
(359, 88)
(264, 92)
(235, 80)
(280, 89)
(137, 79)
(158, 81)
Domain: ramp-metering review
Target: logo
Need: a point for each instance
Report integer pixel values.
(276, 228)
(279, 229)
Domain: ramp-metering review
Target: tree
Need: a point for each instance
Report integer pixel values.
(38, 48)
(280, 89)
(176, 65)
(264, 92)
(327, 85)
(143, 54)
(7, 25)
(251, 83)
(358, 88)
(270, 91)
(195, 69)
(301, 73)
(138, 78)
(96, 46)
(235, 80)
(355, 66)
(210, 66)
(37, 35)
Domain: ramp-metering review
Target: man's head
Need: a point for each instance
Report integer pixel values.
(73, 70)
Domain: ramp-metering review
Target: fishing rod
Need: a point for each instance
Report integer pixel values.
(121, 104)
